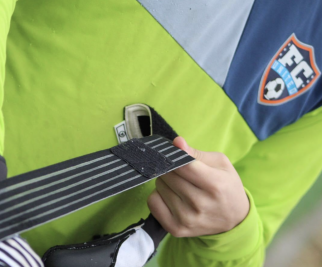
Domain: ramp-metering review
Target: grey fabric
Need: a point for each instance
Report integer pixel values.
(208, 30)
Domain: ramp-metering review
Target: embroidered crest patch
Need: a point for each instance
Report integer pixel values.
(290, 73)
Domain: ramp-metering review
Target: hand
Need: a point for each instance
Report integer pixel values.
(205, 197)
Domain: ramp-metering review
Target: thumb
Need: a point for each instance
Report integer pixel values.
(212, 159)
(181, 143)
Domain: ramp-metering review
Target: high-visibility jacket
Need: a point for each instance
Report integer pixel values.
(242, 78)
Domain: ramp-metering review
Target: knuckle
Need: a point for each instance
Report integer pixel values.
(219, 188)
(187, 220)
(202, 206)
(223, 160)
(194, 203)
(197, 203)
(213, 187)
(177, 231)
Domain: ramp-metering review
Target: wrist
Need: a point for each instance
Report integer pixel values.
(243, 239)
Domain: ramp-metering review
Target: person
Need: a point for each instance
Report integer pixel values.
(241, 80)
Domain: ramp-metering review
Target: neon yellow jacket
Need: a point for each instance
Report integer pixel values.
(67, 70)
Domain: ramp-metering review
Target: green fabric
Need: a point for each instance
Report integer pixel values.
(6, 10)
(284, 167)
(71, 68)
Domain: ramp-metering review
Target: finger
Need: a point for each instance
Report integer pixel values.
(199, 174)
(213, 159)
(169, 197)
(160, 211)
(184, 189)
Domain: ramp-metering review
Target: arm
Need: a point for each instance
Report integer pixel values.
(276, 174)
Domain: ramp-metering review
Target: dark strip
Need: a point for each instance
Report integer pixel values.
(3, 169)
(40, 196)
(60, 181)
(160, 126)
(154, 230)
(64, 194)
(145, 160)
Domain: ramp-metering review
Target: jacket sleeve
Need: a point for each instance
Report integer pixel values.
(276, 173)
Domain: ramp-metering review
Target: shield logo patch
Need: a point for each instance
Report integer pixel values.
(290, 73)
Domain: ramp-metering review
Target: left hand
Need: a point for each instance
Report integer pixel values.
(205, 197)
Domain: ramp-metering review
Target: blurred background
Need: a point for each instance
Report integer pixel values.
(298, 243)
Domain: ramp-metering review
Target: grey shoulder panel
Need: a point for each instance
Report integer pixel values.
(209, 31)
